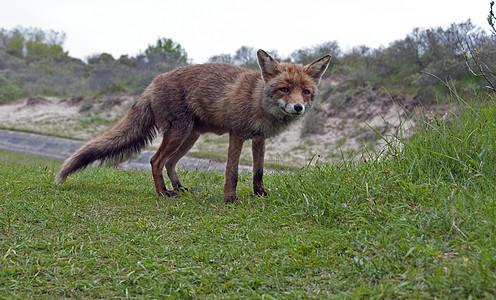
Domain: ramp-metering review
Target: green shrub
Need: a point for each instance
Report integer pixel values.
(8, 90)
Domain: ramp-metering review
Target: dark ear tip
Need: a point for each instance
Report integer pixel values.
(262, 52)
(327, 56)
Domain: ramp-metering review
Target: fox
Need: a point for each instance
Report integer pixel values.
(218, 98)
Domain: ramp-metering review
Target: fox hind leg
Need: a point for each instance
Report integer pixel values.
(171, 162)
(171, 142)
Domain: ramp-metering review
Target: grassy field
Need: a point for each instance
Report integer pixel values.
(419, 221)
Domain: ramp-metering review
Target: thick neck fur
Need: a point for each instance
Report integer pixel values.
(263, 118)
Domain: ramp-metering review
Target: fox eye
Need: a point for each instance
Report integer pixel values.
(306, 92)
(284, 90)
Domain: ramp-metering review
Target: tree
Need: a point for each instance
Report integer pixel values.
(23, 42)
(15, 43)
(491, 18)
(226, 58)
(308, 55)
(101, 58)
(166, 49)
(34, 48)
(476, 56)
(244, 56)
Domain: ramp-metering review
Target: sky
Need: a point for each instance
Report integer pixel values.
(209, 27)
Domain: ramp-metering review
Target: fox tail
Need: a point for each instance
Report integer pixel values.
(131, 134)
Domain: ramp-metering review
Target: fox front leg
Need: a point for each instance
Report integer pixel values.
(235, 146)
(258, 150)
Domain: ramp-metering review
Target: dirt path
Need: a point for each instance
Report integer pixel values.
(61, 148)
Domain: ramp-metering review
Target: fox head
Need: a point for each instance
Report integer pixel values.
(290, 89)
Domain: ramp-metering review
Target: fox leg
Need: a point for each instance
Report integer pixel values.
(172, 140)
(258, 149)
(170, 164)
(235, 145)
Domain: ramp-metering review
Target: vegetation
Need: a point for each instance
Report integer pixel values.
(406, 66)
(484, 70)
(33, 62)
(415, 220)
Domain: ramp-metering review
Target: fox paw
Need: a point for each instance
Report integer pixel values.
(234, 200)
(260, 192)
(168, 193)
(181, 189)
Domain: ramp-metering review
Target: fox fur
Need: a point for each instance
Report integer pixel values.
(219, 98)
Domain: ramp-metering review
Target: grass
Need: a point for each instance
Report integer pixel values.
(25, 160)
(418, 222)
(211, 146)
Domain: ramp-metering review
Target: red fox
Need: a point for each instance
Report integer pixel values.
(217, 97)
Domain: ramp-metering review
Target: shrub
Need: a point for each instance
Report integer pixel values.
(8, 90)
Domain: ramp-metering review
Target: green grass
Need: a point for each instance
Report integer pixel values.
(24, 159)
(419, 221)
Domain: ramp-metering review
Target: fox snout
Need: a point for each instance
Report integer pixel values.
(295, 108)
(292, 108)
(298, 107)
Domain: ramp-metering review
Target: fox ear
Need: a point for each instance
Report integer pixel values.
(268, 65)
(318, 67)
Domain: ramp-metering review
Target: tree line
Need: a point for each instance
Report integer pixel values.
(419, 64)
(34, 62)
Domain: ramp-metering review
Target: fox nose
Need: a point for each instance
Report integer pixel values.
(298, 107)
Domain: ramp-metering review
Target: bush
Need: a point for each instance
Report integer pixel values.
(8, 90)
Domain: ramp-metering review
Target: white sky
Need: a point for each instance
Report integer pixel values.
(208, 27)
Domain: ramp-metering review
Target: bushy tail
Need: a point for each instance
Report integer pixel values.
(128, 136)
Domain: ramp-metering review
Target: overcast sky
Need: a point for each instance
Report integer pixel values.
(208, 27)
